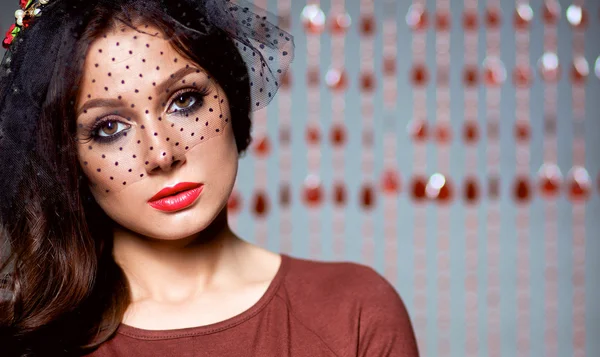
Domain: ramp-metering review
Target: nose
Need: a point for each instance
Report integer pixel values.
(164, 151)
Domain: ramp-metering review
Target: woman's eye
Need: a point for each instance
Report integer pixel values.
(110, 128)
(183, 101)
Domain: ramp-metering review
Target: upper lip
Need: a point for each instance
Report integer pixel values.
(168, 191)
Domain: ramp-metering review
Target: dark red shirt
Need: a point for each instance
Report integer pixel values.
(311, 308)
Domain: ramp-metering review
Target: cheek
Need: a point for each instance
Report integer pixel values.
(216, 157)
(150, 144)
(110, 170)
(89, 165)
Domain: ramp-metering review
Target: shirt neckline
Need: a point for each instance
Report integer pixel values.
(144, 334)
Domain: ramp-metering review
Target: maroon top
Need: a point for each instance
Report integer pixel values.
(311, 308)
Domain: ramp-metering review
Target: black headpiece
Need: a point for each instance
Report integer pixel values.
(41, 47)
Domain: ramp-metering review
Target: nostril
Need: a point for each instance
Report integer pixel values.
(176, 162)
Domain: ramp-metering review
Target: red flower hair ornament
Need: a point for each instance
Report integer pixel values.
(29, 9)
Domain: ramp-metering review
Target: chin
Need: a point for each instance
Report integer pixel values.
(143, 219)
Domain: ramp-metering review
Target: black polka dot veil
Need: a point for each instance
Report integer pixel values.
(181, 104)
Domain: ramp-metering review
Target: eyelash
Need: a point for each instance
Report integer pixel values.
(199, 95)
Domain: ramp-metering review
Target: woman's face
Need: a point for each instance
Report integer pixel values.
(148, 119)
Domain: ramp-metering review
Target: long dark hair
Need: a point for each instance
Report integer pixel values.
(64, 293)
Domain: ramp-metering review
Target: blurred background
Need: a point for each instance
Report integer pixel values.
(454, 146)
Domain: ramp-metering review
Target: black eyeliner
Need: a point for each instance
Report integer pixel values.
(201, 93)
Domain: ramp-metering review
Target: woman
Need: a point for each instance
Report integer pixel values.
(121, 125)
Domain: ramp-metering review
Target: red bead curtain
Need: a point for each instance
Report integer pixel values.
(341, 136)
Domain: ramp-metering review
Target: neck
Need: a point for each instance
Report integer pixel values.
(174, 271)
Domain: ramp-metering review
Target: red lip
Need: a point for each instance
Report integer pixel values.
(177, 202)
(169, 191)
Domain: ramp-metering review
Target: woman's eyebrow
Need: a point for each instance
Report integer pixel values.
(114, 103)
(100, 102)
(175, 77)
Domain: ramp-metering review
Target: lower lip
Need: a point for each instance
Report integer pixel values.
(179, 201)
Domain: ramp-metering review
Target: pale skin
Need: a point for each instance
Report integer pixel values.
(185, 268)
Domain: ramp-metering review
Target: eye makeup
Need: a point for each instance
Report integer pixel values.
(192, 96)
(197, 94)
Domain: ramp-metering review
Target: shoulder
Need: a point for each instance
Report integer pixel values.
(343, 278)
(354, 297)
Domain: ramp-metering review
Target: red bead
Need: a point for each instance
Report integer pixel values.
(471, 190)
(551, 11)
(522, 130)
(8, 38)
(262, 147)
(470, 20)
(470, 76)
(522, 190)
(446, 193)
(494, 72)
(338, 134)
(416, 18)
(442, 21)
(312, 191)
(27, 21)
(438, 188)
(419, 75)
(367, 196)
(23, 4)
(418, 185)
(367, 82)
(313, 134)
(339, 194)
(550, 180)
(443, 133)
(313, 19)
(313, 28)
(549, 67)
(390, 182)
(493, 17)
(284, 194)
(286, 79)
(340, 23)
(7, 41)
(367, 25)
(580, 70)
(418, 130)
(523, 16)
(234, 203)
(470, 132)
(337, 79)
(577, 16)
(578, 183)
(522, 77)
(260, 204)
